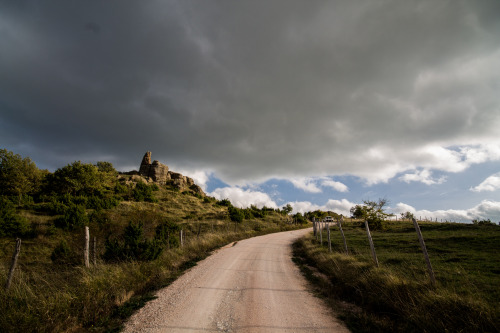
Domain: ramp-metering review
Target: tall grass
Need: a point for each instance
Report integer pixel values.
(398, 296)
(49, 298)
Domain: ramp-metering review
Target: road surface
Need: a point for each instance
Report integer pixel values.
(251, 286)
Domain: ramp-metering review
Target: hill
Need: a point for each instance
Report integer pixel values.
(135, 222)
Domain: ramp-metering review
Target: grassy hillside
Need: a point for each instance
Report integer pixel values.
(398, 296)
(138, 249)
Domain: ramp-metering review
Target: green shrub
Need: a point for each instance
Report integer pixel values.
(99, 217)
(248, 213)
(236, 214)
(75, 216)
(224, 202)
(11, 224)
(95, 202)
(483, 222)
(143, 192)
(62, 254)
(133, 246)
(121, 189)
(167, 233)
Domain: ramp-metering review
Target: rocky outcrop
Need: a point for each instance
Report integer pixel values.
(159, 173)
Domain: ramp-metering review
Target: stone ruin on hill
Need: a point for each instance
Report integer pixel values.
(159, 173)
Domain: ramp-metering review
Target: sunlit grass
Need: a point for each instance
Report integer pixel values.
(398, 296)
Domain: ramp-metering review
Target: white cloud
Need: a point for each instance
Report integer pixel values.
(200, 177)
(305, 184)
(424, 176)
(492, 183)
(303, 206)
(337, 186)
(485, 210)
(243, 198)
(338, 206)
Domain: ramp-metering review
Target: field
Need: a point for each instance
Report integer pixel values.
(398, 295)
(56, 293)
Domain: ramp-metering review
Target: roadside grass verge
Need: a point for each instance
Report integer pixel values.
(397, 296)
(44, 298)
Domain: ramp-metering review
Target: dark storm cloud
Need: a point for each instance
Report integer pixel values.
(252, 89)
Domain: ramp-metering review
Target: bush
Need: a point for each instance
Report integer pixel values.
(143, 192)
(133, 246)
(483, 222)
(167, 233)
(224, 202)
(248, 213)
(11, 224)
(236, 214)
(95, 202)
(62, 254)
(121, 189)
(99, 217)
(75, 216)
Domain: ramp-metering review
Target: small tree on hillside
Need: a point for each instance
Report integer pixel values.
(19, 176)
(372, 211)
(407, 216)
(235, 214)
(287, 209)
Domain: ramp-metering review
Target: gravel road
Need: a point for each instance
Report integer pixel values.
(250, 286)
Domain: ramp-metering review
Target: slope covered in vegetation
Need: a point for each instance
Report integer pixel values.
(135, 241)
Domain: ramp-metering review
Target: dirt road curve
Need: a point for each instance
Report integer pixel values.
(252, 286)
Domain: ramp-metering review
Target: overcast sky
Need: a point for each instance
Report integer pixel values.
(322, 104)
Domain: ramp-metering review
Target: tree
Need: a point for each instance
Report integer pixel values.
(106, 167)
(407, 215)
(76, 179)
(18, 176)
(299, 218)
(317, 214)
(287, 209)
(372, 211)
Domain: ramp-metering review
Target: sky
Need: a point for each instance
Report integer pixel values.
(320, 104)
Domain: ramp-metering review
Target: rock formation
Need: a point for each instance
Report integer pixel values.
(159, 173)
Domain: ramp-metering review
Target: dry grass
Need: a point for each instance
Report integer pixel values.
(397, 297)
(46, 297)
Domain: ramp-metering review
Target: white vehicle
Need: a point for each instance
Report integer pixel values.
(329, 219)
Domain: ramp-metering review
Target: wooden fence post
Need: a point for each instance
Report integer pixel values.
(343, 236)
(314, 226)
(424, 250)
(372, 247)
(14, 263)
(182, 238)
(329, 239)
(94, 255)
(321, 233)
(86, 248)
